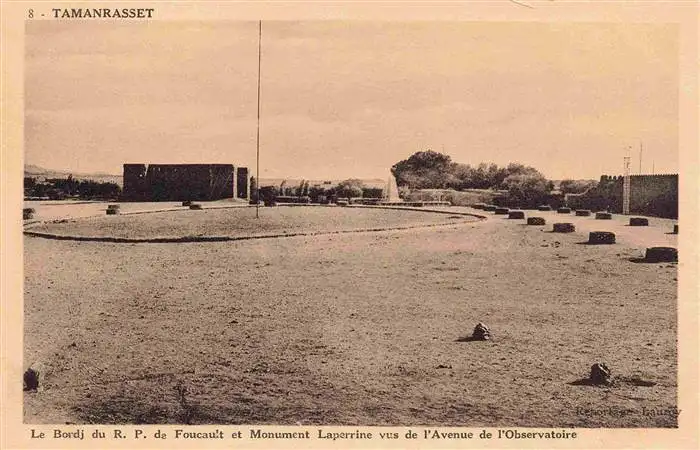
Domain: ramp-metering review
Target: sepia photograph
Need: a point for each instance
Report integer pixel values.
(351, 223)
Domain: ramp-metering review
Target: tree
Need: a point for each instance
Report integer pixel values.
(425, 170)
(349, 188)
(575, 186)
(526, 189)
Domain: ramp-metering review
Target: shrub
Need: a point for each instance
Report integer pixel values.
(544, 208)
(601, 237)
(603, 215)
(502, 211)
(564, 210)
(516, 215)
(675, 229)
(564, 228)
(187, 203)
(195, 206)
(583, 212)
(490, 208)
(536, 221)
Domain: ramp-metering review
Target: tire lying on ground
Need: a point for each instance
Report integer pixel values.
(28, 213)
(536, 221)
(583, 212)
(564, 210)
(563, 228)
(195, 206)
(639, 222)
(601, 237)
(600, 374)
(501, 211)
(544, 208)
(603, 215)
(516, 214)
(661, 254)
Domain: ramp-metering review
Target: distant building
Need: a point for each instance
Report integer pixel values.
(653, 195)
(179, 182)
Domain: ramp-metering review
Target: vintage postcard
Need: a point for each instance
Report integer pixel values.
(320, 225)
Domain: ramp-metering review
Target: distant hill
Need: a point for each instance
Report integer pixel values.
(31, 170)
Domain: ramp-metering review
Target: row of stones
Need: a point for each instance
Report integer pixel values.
(653, 254)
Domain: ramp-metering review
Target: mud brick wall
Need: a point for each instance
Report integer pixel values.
(135, 187)
(178, 182)
(242, 182)
(653, 195)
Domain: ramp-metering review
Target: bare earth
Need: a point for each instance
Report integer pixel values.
(354, 329)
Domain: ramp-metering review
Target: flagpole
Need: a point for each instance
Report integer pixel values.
(257, 140)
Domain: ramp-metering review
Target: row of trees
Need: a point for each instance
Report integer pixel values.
(58, 188)
(350, 188)
(433, 170)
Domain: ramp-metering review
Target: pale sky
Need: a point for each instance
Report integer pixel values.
(350, 99)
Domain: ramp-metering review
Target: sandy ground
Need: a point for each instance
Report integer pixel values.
(238, 222)
(355, 329)
(46, 210)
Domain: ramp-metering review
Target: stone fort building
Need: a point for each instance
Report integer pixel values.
(180, 182)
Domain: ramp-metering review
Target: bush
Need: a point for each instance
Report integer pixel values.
(195, 206)
(544, 208)
(603, 216)
(564, 210)
(583, 212)
(291, 199)
(501, 211)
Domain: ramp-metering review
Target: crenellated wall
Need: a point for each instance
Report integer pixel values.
(176, 182)
(653, 195)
